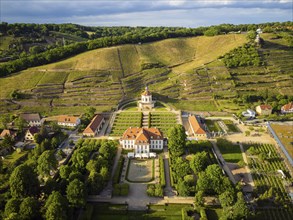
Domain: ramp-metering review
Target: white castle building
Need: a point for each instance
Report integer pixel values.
(142, 140)
(146, 102)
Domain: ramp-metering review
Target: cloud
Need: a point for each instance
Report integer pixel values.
(143, 12)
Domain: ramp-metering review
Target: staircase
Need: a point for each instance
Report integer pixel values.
(145, 120)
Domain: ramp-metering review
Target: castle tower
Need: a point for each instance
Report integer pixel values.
(146, 102)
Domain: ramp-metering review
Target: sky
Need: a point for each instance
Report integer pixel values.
(183, 13)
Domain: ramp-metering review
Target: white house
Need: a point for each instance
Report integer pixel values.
(29, 135)
(146, 102)
(68, 121)
(264, 109)
(142, 140)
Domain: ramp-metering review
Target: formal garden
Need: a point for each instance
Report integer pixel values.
(162, 120)
(125, 120)
(140, 171)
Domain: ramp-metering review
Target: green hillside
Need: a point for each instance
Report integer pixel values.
(184, 72)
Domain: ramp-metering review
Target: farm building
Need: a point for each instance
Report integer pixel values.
(196, 127)
(142, 140)
(94, 126)
(29, 135)
(68, 121)
(146, 102)
(32, 119)
(288, 108)
(264, 109)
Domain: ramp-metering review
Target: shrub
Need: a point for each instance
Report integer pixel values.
(155, 190)
(118, 171)
(121, 189)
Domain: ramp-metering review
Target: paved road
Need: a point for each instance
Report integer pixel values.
(223, 163)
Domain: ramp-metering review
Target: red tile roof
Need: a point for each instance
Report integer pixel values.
(196, 126)
(287, 107)
(94, 124)
(142, 135)
(67, 119)
(265, 107)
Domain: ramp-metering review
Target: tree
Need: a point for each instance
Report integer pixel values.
(183, 188)
(198, 199)
(56, 207)
(107, 150)
(240, 209)
(251, 35)
(95, 183)
(47, 162)
(199, 161)
(12, 206)
(29, 209)
(65, 171)
(104, 173)
(76, 193)
(247, 133)
(23, 182)
(227, 198)
(20, 124)
(176, 140)
(80, 158)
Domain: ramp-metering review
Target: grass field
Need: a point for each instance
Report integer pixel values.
(230, 152)
(113, 212)
(285, 134)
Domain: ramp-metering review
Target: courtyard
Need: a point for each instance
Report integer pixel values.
(140, 171)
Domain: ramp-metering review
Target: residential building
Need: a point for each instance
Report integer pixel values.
(32, 119)
(68, 121)
(94, 126)
(7, 132)
(146, 102)
(29, 135)
(142, 140)
(196, 126)
(288, 108)
(264, 109)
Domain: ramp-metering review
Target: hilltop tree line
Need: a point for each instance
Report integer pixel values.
(99, 37)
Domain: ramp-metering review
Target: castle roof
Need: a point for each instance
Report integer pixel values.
(142, 135)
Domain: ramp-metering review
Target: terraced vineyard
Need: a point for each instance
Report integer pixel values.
(162, 120)
(185, 73)
(125, 120)
(265, 176)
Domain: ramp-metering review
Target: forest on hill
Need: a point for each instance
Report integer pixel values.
(28, 45)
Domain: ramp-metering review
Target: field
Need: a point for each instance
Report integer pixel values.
(265, 176)
(285, 134)
(230, 152)
(113, 212)
(125, 120)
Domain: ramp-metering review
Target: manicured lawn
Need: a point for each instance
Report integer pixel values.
(231, 153)
(213, 125)
(112, 212)
(231, 126)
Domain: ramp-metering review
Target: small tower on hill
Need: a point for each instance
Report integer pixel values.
(146, 102)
